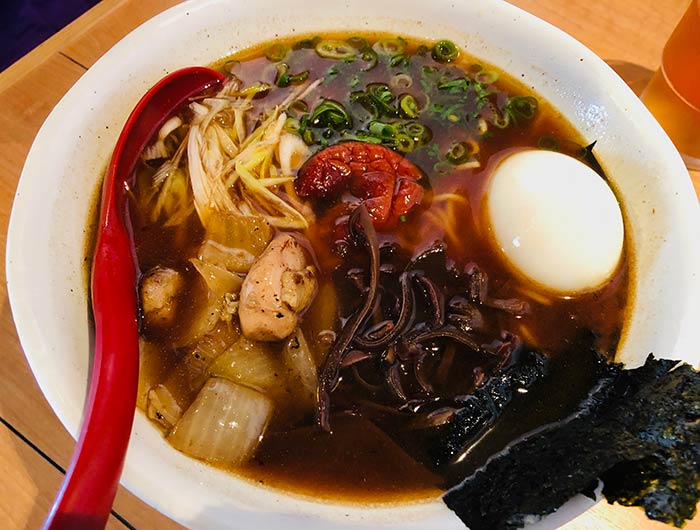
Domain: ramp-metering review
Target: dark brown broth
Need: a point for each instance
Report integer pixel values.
(358, 462)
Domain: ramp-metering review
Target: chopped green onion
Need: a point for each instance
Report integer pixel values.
(380, 92)
(404, 143)
(401, 81)
(283, 78)
(358, 43)
(354, 81)
(369, 56)
(377, 99)
(445, 51)
(276, 53)
(433, 151)
(331, 114)
(256, 90)
(408, 105)
(481, 92)
(381, 130)
(442, 167)
(420, 133)
(306, 44)
(335, 49)
(402, 218)
(230, 66)
(455, 86)
(292, 125)
(522, 107)
(362, 136)
(486, 77)
(399, 60)
(297, 107)
(330, 74)
(299, 78)
(390, 47)
(501, 120)
(548, 142)
(422, 50)
(306, 134)
(459, 153)
(308, 137)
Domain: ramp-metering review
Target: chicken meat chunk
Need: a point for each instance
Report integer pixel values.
(278, 287)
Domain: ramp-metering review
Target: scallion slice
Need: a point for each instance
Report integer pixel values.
(459, 153)
(369, 56)
(409, 106)
(335, 49)
(486, 77)
(276, 53)
(358, 43)
(404, 143)
(501, 120)
(284, 79)
(445, 51)
(420, 133)
(331, 114)
(382, 130)
(390, 47)
(522, 107)
(306, 44)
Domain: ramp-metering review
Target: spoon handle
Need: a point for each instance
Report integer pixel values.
(88, 490)
(86, 495)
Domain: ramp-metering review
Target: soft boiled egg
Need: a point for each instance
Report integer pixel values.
(555, 220)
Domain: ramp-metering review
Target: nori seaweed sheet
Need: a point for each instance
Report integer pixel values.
(638, 430)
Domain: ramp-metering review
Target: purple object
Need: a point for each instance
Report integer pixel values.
(24, 24)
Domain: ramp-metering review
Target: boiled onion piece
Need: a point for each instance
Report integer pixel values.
(163, 408)
(224, 424)
(252, 363)
(219, 280)
(301, 365)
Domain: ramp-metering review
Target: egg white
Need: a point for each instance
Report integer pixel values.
(555, 221)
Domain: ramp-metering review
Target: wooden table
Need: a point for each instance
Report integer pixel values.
(34, 447)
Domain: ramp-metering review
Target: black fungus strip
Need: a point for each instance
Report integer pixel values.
(393, 381)
(448, 332)
(329, 374)
(401, 322)
(354, 356)
(436, 299)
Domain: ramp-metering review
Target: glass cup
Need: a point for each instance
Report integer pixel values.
(673, 94)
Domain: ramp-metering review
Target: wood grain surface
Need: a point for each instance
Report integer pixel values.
(34, 447)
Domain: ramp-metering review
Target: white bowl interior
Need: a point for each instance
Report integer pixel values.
(47, 274)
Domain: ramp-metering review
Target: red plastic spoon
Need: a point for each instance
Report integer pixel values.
(86, 495)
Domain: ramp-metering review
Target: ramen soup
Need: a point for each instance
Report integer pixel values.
(362, 260)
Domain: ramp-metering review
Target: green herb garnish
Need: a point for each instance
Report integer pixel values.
(335, 49)
(330, 114)
(445, 51)
(277, 52)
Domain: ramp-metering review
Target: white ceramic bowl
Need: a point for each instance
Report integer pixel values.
(47, 271)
